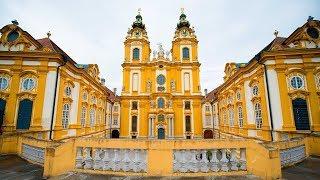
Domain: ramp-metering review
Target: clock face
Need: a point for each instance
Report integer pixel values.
(161, 79)
(137, 33)
(184, 33)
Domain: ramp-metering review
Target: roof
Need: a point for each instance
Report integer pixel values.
(112, 96)
(48, 43)
(274, 44)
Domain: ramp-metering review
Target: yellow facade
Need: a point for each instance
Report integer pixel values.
(32, 73)
(160, 92)
(277, 91)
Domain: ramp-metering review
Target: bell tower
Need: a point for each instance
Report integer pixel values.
(185, 43)
(137, 45)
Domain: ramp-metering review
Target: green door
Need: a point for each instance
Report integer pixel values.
(24, 114)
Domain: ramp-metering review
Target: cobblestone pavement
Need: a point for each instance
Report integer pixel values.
(308, 169)
(13, 167)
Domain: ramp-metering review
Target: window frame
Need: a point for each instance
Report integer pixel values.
(296, 83)
(135, 53)
(258, 115)
(185, 51)
(65, 116)
(83, 116)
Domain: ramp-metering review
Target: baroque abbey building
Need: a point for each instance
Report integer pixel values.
(161, 96)
(274, 96)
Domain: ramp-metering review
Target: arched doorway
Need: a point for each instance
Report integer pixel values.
(161, 133)
(300, 112)
(2, 110)
(115, 134)
(208, 134)
(24, 114)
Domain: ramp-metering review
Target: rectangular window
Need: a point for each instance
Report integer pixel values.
(134, 105)
(231, 117)
(134, 124)
(187, 105)
(240, 117)
(188, 124)
(135, 81)
(186, 81)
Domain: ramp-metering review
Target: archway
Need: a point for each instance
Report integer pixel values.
(24, 114)
(115, 134)
(300, 112)
(161, 133)
(2, 110)
(208, 134)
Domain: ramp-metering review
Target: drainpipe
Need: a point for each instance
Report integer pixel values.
(54, 99)
(268, 95)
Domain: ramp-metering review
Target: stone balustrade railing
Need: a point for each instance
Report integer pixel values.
(209, 160)
(126, 160)
(292, 155)
(32, 153)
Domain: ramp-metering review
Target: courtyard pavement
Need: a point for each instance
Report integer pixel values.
(13, 167)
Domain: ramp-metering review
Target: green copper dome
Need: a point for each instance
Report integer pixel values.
(183, 22)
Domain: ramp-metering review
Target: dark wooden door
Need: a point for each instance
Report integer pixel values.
(300, 112)
(24, 114)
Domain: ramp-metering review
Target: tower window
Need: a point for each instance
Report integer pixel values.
(134, 124)
(160, 103)
(136, 54)
(187, 105)
(185, 53)
(135, 81)
(188, 124)
(134, 105)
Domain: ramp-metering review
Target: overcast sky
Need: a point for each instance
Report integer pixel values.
(94, 31)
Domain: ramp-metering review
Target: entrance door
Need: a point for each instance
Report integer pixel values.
(300, 112)
(24, 114)
(161, 133)
(115, 134)
(2, 109)
(208, 134)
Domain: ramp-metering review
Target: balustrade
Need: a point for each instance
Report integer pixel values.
(134, 160)
(209, 160)
(292, 155)
(34, 154)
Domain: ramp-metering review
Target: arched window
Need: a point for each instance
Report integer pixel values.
(83, 116)
(65, 116)
(92, 117)
(136, 53)
(240, 116)
(185, 53)
(160, 103)
(257, 115)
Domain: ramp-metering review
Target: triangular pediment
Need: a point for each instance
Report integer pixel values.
(306, 36)
(13, 38)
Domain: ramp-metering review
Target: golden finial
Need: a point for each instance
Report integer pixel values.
(182, 10)
(276, 33)
(139, 11)
(49, 34)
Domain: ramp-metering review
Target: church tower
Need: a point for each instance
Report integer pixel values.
(161, 95)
